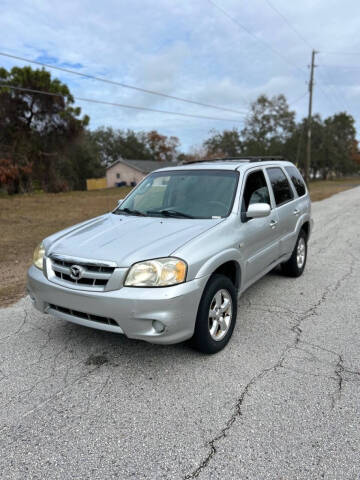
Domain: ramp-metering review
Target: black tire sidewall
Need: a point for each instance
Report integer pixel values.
(291, 267)
(202, 339)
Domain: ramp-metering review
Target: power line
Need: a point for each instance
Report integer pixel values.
(350, 67)
(263, 41)
(298, 98)
(327, 80)
(307, 43)
(330, 99)
(119, 84)
(288, 23)
(243, 27)
(324, 73)
(102, 102)
(268, 45)
(336, 103)
(340, 53)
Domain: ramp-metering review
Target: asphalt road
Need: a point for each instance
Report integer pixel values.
(282, 401)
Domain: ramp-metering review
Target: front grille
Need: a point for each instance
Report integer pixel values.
(86, 316)
(92, 275)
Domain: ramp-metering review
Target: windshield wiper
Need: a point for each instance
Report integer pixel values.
(132, 212)
(171, 213)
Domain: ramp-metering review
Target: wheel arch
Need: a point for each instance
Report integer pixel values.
(306, 228)
(226, 264)
(230, 269)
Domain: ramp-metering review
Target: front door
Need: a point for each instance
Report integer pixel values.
(259, 236)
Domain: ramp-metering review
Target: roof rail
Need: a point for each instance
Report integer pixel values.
(207, 160)
(247, 158)
(260, 158)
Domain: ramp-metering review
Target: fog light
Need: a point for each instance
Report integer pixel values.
(158, 326)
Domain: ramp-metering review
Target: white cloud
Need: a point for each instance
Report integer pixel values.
(191, 50)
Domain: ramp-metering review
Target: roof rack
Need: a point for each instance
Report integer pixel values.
(247, 158)
(257, 158)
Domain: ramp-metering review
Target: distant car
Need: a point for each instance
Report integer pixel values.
(169, 263)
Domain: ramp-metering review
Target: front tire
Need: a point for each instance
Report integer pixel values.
(216, 315)
(295, 266)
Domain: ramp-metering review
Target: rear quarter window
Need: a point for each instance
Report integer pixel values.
(297, 180)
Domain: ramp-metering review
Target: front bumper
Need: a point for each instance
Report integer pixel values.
(132, 310)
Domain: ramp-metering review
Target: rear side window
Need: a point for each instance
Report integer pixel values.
(297, 180)
(280, 185)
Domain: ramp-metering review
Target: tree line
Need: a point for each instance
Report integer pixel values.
(45, 141)
(270, 129)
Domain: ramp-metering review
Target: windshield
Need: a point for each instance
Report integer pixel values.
(183, 194)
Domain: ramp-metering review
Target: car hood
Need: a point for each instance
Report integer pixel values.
(126, 239)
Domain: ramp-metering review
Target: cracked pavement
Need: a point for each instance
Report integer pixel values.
(280, 402)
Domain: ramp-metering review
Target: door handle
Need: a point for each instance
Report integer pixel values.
(296, 212)
(273, 223)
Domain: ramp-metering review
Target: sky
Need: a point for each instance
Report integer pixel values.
(191, 49)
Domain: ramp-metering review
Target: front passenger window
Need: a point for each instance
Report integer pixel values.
(255, 191)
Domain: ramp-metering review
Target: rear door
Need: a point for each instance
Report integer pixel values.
(259, 236)
(287, 209)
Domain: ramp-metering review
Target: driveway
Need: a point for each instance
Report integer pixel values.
(280, 402)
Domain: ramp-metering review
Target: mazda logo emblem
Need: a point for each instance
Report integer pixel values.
(76, 272)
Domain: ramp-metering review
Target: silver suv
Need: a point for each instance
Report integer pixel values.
(169, 263)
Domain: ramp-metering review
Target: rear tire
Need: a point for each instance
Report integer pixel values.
(216, 315)
(295, 266)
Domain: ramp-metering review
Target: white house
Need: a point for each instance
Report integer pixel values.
(131, 171)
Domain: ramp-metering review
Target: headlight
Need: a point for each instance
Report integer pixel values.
(39, 256)
(156, 273)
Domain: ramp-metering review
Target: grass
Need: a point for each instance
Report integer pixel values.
(26, 219)
(321, 189)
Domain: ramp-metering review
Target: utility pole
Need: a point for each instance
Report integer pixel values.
(308, 147)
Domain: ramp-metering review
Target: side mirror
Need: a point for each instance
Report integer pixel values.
(258, 210)
(120, 201)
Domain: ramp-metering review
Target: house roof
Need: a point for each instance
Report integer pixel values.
(143, 166)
